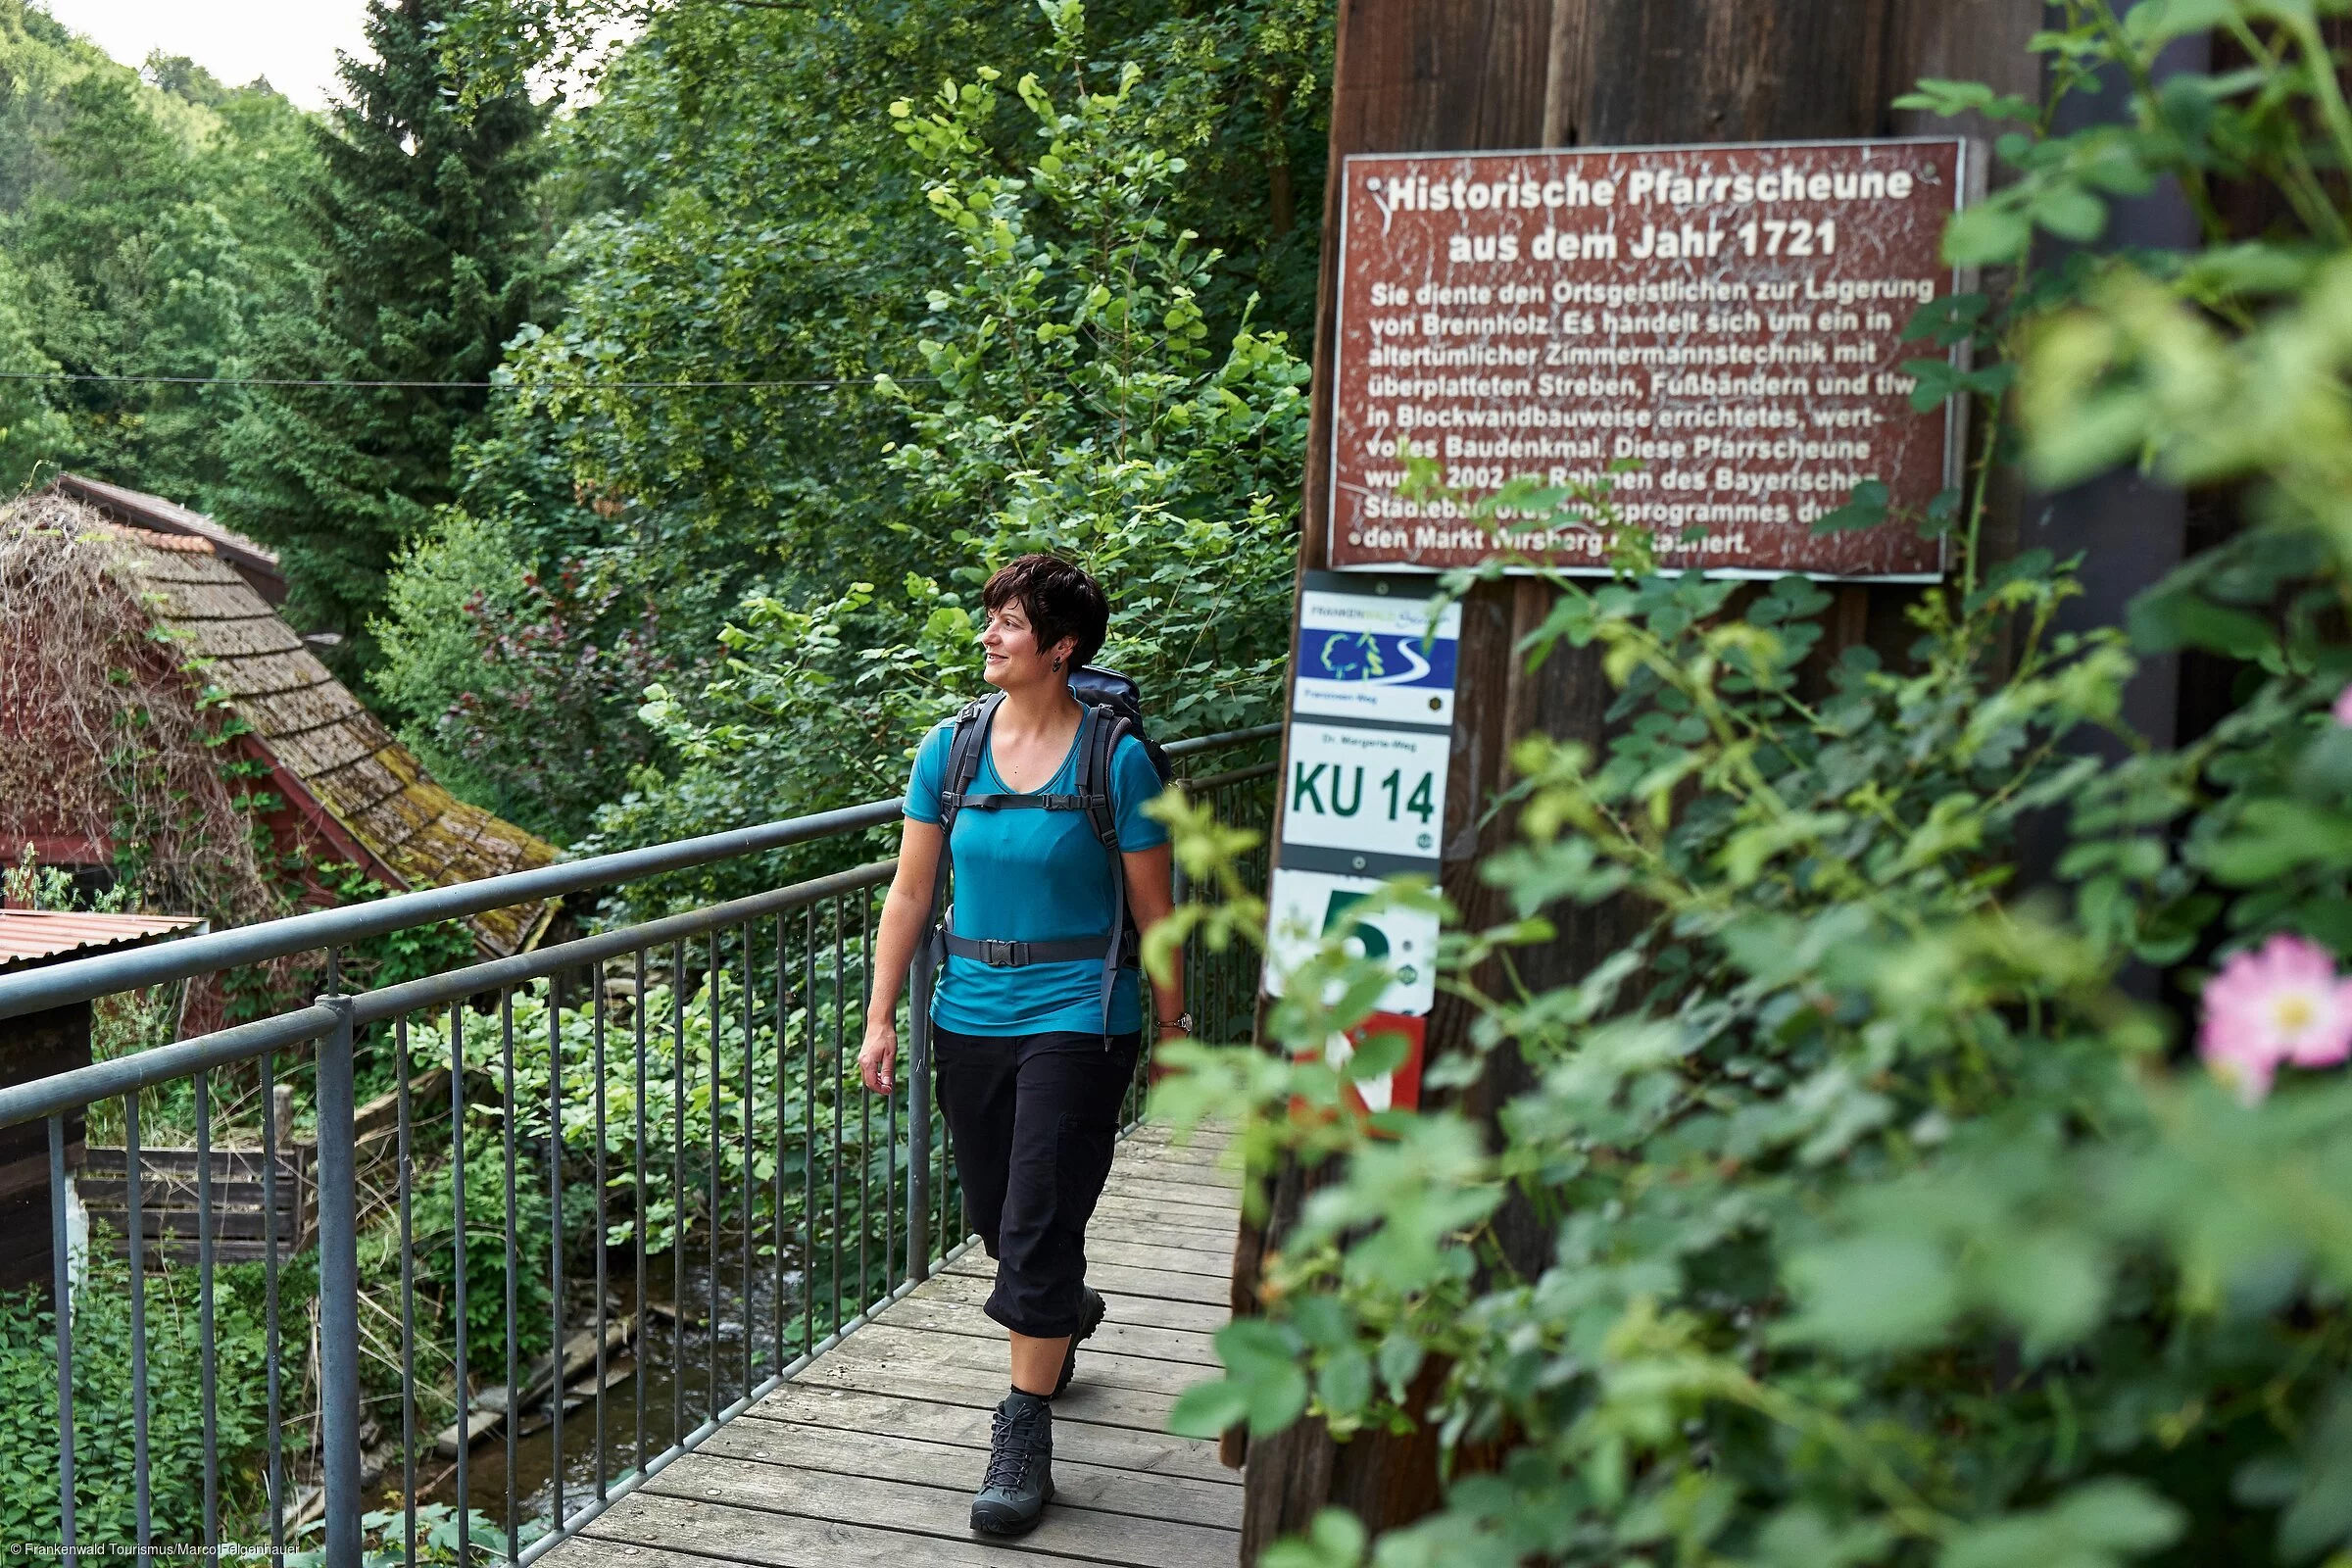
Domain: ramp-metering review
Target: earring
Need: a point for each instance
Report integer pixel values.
(1058, 666)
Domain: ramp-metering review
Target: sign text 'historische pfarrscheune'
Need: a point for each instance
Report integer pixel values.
(1722, 323)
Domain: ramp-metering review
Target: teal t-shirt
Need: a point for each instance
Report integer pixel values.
(1035, 877)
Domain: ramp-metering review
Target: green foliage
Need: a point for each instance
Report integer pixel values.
(150, 231)
(102, 1409)
(421, 231)
(1077, 402)
(756, 213)
(1859, 1209)
(433, 1218)
(678, 1050)
(466, 567)
(524, 693)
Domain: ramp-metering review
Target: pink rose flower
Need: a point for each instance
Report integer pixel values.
(2282, 1002)
(2342, 711)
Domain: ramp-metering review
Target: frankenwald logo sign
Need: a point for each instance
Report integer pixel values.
(1378, 659)
(1369, 659)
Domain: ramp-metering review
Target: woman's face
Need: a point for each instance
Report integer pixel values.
(1012, 658)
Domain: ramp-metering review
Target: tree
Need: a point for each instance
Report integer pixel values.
(428, 265)
(1076, 399)
(150, 231)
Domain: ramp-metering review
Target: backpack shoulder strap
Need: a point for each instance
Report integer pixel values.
(1097, 787)
(965, 752)
(968, 745)
(1097, 778)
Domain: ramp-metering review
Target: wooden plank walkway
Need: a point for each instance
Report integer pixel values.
(871, 1454)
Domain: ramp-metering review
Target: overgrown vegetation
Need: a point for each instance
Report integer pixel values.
(763, 215)
(1075, 402)
(1885, 1216)
(102, 1406)
(114, 732)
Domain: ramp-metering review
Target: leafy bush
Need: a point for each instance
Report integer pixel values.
(522, 692)
(103, 1410)
(1883, 1222)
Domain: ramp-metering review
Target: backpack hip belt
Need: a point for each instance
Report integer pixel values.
(999, 954)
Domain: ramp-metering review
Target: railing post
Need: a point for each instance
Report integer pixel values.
(338, 1291)
(919, 1114)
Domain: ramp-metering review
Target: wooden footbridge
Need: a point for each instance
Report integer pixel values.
(870, 1455)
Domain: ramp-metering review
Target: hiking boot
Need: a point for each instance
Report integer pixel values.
(1021, 1467)
(1096, 1307)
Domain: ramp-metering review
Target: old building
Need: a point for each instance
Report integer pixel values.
(159, 721)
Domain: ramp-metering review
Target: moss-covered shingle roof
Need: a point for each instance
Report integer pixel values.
(331, 753)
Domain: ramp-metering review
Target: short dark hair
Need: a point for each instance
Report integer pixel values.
(1060, 598)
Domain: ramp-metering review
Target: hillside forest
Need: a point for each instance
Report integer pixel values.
(592, 373)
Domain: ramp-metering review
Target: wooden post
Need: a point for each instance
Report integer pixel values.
(34, 1046)
(1419, 76)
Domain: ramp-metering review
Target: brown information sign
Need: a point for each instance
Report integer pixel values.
(1728, 316)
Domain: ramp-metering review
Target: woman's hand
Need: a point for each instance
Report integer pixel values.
(878, 1058)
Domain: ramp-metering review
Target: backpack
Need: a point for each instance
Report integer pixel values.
(1113, 710)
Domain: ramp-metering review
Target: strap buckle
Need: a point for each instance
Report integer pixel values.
(999, 954)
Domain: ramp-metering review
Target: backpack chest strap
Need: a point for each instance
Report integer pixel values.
(1029, 802)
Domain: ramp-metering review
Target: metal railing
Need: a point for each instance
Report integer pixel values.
(605, 1197)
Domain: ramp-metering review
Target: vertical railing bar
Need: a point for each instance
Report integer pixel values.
(135, 1218)
(890, 1129)
(711, 972)
(276, 1458)
(637, 1198)
(833, 1082)
(918, 1110)
(407, 1156)
(337, 1253)
(678, 1192)
(866, 1118)
(460, 1381)
(936, 1222)
(514, 1273)
(751, 993)
(60, 1275)
(555, 1210)
(604, 1457)
(890, 1126)
(207, 1330)
(777, 1232)
(809, 1128)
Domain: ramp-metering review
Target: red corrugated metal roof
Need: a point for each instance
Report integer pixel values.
(31, 936)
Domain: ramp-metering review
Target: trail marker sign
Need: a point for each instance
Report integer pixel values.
(1363, 794)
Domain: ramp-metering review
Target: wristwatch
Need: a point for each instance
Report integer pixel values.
(1181, 1023)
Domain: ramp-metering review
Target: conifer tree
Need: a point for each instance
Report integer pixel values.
(428, 265)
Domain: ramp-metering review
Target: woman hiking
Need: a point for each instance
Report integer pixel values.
(1037, 1017)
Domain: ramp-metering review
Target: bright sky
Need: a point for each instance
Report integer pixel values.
(292, 42)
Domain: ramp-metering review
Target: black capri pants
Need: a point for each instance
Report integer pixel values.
(1035, 1119)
